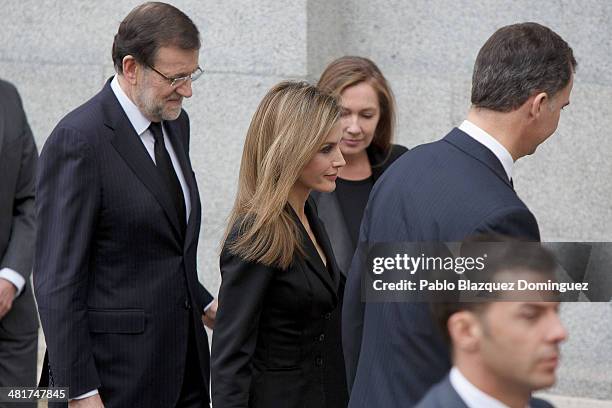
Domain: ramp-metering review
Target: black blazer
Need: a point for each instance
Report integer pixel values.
(115, 279)
(330, 212)
(273, 328)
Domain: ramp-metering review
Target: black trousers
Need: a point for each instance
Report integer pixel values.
(17, 362)
(193, 394)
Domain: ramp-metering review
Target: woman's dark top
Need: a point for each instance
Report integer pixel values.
(353, 197)
(275, 328)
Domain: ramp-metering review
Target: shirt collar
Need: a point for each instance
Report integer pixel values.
(470, 394)
(490, 143)
(139, 122)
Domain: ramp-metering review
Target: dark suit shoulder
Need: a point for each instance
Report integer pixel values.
(68, 140)
(540, 403)
(441, 395)
(8, 89)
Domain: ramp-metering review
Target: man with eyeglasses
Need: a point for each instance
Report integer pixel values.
(119, 219)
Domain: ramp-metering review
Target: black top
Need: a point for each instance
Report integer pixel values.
(353, 197)
(275, 331)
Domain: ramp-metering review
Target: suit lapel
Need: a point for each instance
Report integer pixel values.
(332, 270)
(130, 147)
(173, 130)
(468, 145)
(330, 212)
(329, 276)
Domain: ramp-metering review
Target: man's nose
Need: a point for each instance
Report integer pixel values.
(184, 89)
(557, 332)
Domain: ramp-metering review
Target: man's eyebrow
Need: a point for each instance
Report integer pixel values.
(184, 74)
(530, 306)
(181, 74)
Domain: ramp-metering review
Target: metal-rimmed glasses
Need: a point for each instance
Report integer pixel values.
(178, 81)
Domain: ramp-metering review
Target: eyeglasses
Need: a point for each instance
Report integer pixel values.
(178, 81)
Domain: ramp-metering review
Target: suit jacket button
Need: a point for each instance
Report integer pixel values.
(321, 337)
(319, 361)
(187, 305)
(327, 316)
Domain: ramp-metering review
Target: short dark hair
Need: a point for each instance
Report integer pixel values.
(503, 254)
(517, 61)
(150, 26)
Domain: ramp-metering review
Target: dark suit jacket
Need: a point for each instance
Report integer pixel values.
(330, 212)
(442, 191)
(272, 330)
(443, 395)
(115, 278)
(18, 157)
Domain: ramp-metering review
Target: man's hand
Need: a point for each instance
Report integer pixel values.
(209, 317)
(7, 294)
(90, 402)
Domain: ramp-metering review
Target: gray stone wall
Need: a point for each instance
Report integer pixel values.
(58, 54)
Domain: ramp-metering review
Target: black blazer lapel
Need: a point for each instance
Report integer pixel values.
(323, 239)
(468, 145)
(174, 130)
(130, 147)
(329, 211)
(329, 275)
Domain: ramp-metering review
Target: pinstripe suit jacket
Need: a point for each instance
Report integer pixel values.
(442, 191)
(115, 278)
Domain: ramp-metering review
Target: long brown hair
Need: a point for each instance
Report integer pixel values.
(347, 71)
(290, 125)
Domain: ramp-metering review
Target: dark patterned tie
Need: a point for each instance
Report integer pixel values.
(166, 170)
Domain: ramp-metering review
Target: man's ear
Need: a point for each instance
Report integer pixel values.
(465, 331)
(130, 69)
(538, 102)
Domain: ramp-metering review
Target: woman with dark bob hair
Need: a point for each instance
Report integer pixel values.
(280, 281)
(368, 122)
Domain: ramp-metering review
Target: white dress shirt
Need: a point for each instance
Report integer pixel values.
(502, 154)
(470, 394)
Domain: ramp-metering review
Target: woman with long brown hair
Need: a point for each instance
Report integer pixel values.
(279, 278)
(368, 122)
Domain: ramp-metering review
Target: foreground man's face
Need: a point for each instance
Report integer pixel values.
(519, 342)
